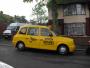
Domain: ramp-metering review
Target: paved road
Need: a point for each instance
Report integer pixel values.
(42, 59)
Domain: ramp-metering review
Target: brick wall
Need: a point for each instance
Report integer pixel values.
(81, 41)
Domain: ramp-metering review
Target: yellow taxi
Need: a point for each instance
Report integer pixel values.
(41, 37)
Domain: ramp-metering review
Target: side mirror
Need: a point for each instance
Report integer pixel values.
(51, 35)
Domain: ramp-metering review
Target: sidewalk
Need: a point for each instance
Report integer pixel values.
(5, 42)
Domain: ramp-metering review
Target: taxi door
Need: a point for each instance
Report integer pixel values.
(46, 39)
(33, 37)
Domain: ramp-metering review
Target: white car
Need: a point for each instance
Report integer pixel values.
(11, 30)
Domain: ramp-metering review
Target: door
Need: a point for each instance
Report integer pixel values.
(46, 39)
(33, 37)
(88, 26)
(21, 36)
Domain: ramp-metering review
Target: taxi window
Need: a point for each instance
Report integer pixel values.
(45, 32)
(33, 31)
(23, 30)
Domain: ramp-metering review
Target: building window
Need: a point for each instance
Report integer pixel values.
(74, 9)
(74, 29)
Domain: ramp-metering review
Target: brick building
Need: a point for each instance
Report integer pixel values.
(73, 17)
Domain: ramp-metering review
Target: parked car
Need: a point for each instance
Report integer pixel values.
(11, 30)
(41, 37)
(88, 49)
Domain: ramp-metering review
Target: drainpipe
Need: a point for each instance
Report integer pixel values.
(89, 9)
(89, 12)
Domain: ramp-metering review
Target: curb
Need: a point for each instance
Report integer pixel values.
(80, 49)
(5, 44)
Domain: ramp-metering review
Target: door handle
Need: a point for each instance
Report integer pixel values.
(41, 40)
(33, 39)
(27, 38)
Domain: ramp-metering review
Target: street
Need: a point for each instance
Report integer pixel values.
(42, 59)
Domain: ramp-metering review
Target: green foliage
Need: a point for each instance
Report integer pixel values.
(9, 19)
(39, 11)
(52, 4)
(20, 19)
(5, 18)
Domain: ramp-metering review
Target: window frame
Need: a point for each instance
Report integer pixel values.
(50, 33)
(73, 6)
(33, 28)
(75, 29)
(25, 31)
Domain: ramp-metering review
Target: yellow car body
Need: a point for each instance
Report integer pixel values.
(41, 37)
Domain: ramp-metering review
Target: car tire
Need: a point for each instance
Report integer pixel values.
(20, 46)
(63, 50)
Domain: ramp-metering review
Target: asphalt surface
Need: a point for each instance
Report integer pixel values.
(32, 58)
